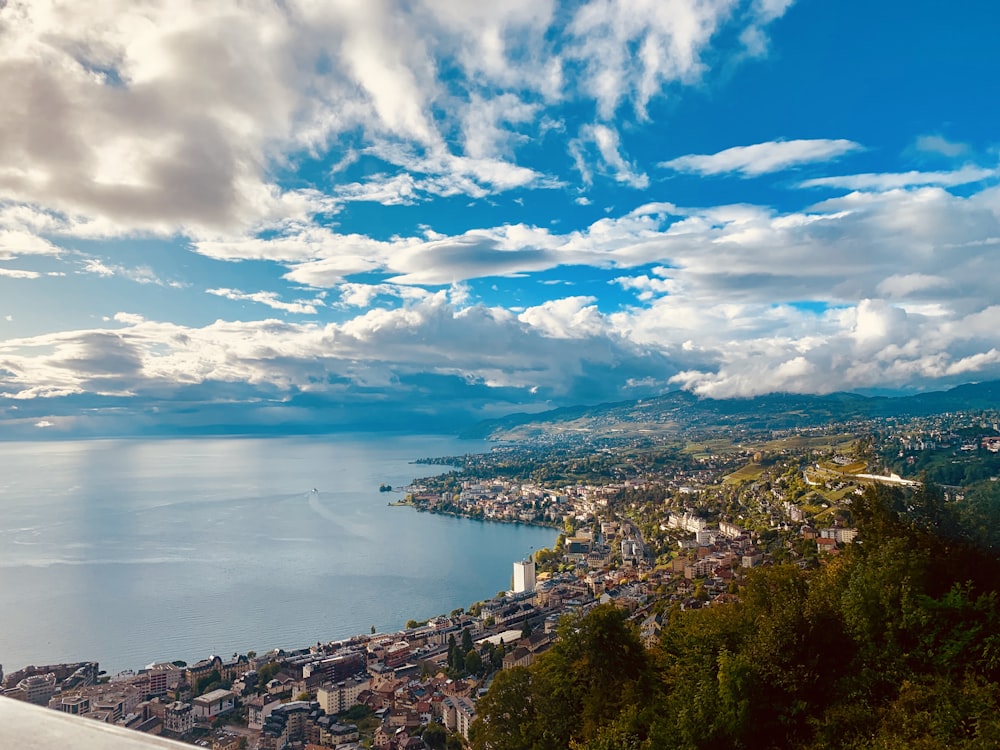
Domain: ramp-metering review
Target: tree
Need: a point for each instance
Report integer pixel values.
(435, 736)
(267, 672)
(506, 714)
(473, 663)
(208, 682)
(596, 669)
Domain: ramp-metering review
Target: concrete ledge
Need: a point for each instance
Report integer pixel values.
(28, 727)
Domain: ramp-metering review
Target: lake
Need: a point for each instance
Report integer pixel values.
(134, 551)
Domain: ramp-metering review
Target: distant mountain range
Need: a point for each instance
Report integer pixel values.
(680, 411)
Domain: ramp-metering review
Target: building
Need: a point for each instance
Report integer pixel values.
(178, 717)
(259, 708)
(37, 689)
(163, 678)
(730, 530)
(459, 713)
(524, 576)
(212, 704)
(71, 704)
(335, 698)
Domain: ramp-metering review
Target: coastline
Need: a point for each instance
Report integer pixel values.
(421, 508)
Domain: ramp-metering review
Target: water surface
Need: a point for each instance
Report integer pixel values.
(130, 551)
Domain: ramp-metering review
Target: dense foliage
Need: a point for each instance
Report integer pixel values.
(895, 643)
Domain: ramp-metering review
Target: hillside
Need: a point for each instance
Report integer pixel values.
(680, 411)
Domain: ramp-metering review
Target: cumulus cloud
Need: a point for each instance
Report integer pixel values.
(272, 166)
(155, 118)
(484, 347)
(861, 245)
(763, 158)
(567, 318)
(869, 344)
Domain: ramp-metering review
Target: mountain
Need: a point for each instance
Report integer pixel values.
(680, 411)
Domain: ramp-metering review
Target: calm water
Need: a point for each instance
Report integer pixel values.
(130, 551)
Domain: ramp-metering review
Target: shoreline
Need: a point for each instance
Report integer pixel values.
(404, 503)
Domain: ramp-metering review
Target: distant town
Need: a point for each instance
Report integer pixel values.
(646, 524)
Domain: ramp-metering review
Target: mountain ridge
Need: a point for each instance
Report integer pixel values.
(682, 410)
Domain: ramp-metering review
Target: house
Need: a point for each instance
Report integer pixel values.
(825, 545)
(382, 738)
(650, 629)
(519, 657)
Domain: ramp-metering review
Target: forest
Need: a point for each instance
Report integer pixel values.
(893, 643)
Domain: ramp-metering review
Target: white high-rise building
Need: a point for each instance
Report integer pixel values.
(524, 576)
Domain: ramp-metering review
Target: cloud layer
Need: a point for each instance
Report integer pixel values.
(319, 211)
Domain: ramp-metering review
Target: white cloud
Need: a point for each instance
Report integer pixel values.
(840, 251)
(940, 145)
(397, 190)
(448, 175)
(608, 158)
(128, 318)
(429, 337)
(763, 158)
(567, 318)
(631, 50)
(166, 117)
(362, 295)
(769, 10)
(271, 299)
(904, 285)
(646, 286)
(16, 244)
(139, 274)
(13, 273)
(153, 119)
(889, 181)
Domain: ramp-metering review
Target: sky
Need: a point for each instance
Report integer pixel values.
(305, 215)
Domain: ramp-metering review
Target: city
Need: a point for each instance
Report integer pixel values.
(683, 531)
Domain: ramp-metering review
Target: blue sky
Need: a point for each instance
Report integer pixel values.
(323, 215)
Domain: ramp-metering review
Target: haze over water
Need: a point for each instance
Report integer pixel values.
(133, 551)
